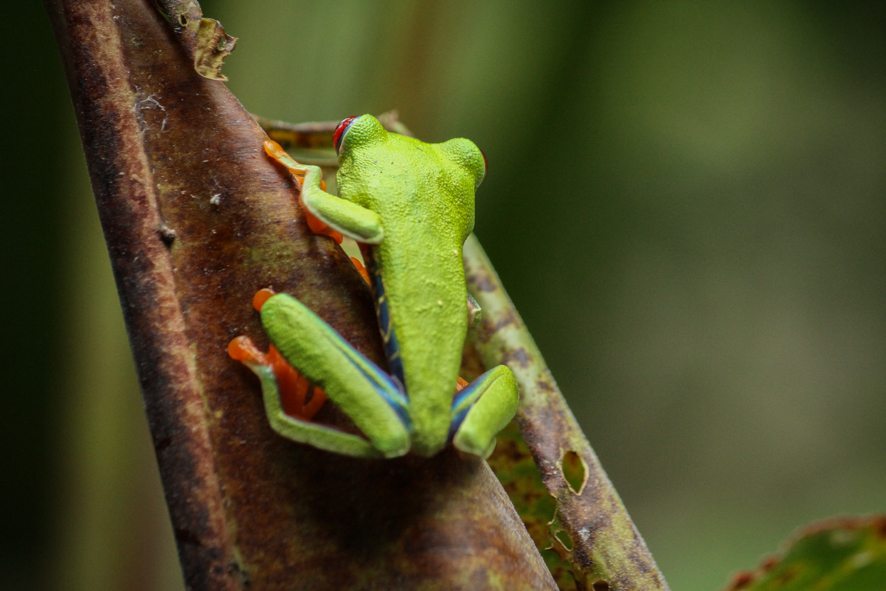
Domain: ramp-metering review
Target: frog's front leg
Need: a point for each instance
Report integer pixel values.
(364, 392)
(299, 171)
(482, 409)
(327, 211)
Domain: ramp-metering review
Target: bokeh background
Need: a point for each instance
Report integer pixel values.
(685, 200)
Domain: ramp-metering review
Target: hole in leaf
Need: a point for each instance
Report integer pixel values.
(563, 537)
(575, 471)
(600, 586)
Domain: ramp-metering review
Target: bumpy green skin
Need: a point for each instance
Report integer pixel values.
(424, 196)
(415, 203)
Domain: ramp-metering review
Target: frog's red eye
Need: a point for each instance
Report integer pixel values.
(340, 131)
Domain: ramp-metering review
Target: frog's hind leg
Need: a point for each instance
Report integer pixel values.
(302, 431)
(298, 397)
(365, 393)
(482, 409)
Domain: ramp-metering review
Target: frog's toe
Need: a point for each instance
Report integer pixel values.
(242, 349)
(483, 409)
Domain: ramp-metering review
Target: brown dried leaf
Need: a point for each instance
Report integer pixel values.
(196, 219)
(213, 46)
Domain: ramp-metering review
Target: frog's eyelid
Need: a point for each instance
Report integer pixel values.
(338, 136)
(485, 166)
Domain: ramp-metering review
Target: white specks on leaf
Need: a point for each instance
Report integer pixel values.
(149, 103)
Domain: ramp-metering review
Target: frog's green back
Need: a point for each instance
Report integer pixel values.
(424, 195)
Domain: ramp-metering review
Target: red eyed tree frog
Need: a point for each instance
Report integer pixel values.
(410, 206)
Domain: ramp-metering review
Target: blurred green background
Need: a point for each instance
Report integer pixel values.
(685, 200)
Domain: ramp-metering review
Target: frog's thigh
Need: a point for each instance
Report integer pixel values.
(487, 405)
(356, 385)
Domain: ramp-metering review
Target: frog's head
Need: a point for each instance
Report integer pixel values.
(466, 154)
(356, 131)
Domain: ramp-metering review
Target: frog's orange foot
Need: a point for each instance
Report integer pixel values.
(276, 151)
(273, 149)
(298, 396)
(262, 296)
(242, 349)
